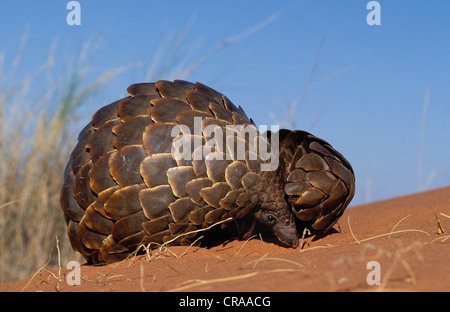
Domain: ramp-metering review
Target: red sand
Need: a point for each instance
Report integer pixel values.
(401, 234)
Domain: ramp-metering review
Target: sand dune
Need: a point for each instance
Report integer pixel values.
(394, 243)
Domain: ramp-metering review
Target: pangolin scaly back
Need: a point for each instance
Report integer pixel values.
(177, 157)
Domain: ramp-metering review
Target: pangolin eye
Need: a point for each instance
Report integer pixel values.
(270, 218)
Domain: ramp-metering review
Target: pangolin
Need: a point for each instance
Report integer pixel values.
(174, 158)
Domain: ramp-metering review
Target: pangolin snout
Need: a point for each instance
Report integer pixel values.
(287, 233)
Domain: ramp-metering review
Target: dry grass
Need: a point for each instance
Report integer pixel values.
(189, 284)
(35, 141)
(359, 241)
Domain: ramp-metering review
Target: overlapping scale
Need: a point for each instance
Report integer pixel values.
(123, 187)
(319, 183)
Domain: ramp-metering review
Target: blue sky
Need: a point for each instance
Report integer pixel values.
(360, 87)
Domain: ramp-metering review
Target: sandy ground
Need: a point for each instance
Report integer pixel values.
(401, 234)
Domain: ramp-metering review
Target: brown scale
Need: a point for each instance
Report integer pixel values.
(122, 186)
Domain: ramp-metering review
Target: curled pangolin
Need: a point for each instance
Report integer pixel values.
(176, 157)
